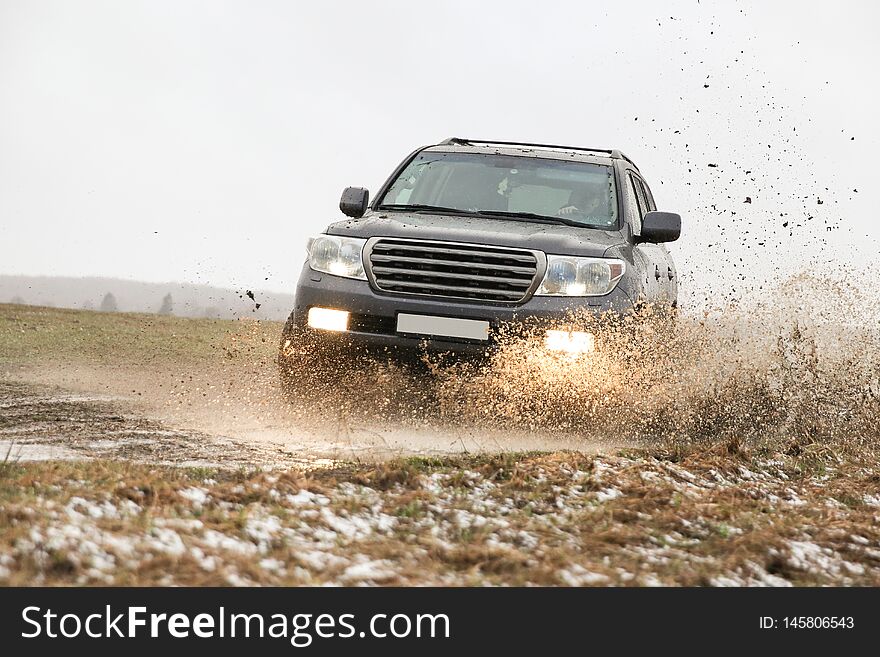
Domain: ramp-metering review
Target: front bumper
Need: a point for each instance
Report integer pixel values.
(373, 320)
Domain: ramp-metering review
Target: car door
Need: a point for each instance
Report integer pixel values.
(668, 275)
(648, 256)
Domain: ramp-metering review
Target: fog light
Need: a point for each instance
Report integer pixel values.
(571, 342)
(328, 319)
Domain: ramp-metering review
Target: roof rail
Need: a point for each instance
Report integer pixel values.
(612, 152)
(624, 157)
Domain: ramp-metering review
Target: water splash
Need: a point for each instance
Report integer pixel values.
(796, 366)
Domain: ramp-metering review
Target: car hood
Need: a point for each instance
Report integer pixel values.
(550, 238)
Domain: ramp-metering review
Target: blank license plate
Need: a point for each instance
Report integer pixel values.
(447, 327)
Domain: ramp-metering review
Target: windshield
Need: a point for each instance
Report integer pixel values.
(576, 192)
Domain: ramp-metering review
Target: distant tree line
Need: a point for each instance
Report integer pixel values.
(167, 306)
(218, 306)
(108, 304)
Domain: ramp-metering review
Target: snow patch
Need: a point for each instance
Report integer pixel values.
(577, 575)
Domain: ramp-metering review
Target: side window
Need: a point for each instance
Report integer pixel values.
(649, 198)
(640, 192)
(635, 205)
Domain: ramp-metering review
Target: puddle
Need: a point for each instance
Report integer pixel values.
(13, 452)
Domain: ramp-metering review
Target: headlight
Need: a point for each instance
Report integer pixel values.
(568, 276)
(328, 319)
(340, 256)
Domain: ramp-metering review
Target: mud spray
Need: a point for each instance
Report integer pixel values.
(796, 369)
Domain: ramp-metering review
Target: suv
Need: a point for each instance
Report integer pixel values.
(468, 238)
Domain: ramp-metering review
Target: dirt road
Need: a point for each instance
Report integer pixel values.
(168, 390)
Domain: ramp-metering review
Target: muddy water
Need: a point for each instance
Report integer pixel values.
(243, 409)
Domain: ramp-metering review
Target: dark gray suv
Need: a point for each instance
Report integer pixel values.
(470, 238)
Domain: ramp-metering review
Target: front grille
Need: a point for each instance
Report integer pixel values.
(453, 270)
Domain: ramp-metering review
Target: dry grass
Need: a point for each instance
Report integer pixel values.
(717, 516)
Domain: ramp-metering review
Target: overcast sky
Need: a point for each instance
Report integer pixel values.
(204, 141)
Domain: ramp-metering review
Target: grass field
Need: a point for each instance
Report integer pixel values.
(801, 509)
(32, 335)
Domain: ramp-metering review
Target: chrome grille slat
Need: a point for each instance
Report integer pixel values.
(452, 269)
(433, 273)
(451, 288)
(473, 265)
(488, 253)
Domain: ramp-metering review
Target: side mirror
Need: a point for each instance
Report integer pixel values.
(660, 227)
(354, 201)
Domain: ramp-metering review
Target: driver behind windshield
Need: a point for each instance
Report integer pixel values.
(589, 202)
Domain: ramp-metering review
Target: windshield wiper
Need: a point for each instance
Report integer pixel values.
(421, 207)
(490, 214)
(530, 216)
